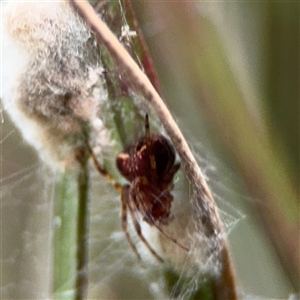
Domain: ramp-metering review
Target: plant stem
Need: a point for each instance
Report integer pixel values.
(82, 231)
(65, 235)
(71, 234)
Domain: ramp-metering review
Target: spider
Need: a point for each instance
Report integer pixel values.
(149, 165)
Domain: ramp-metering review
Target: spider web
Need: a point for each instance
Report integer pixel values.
(27, 218)
(27, 228)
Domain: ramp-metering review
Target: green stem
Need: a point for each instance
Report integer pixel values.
(82, 232)
(65, 235)
(71, 234)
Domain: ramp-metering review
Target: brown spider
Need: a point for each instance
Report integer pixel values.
(149, 165)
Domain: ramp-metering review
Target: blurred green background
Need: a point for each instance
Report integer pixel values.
(229, 72)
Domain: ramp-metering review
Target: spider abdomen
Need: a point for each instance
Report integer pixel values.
(153, 203)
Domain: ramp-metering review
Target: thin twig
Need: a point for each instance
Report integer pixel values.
(144, 54)
(83, 220)
(225, 285)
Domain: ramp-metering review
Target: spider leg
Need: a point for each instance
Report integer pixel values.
(124, 200)
(102, 171)
(148, 145)
(147, 130)
(168, 177)
(137, 227)
(154, 222)
(170, 238)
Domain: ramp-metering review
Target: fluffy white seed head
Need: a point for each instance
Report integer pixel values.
(52, 81)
